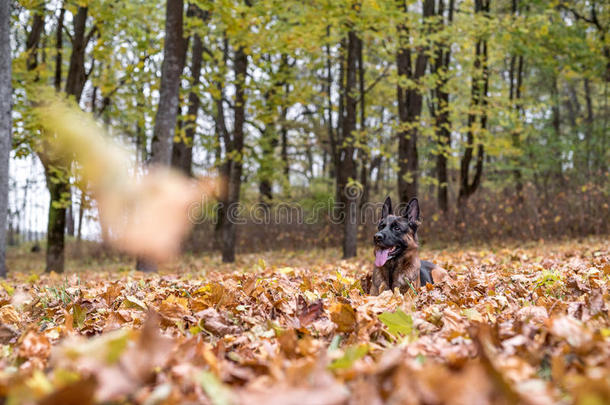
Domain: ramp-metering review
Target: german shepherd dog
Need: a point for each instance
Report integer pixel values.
(397, 264)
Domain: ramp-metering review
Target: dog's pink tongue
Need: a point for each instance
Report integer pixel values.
(381, 256)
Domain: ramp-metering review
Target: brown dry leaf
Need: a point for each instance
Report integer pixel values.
(34, 345)
(111, 293)
(572, 331)
(68, 322)
(308, 313)
(344, 316)
(453, 324)
(9, 315)
(535, 314)
(174, 308)
(214, 322)
(288, 342)
(8, 334)
(596, 302)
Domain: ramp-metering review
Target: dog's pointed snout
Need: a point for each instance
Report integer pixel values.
(378, 237)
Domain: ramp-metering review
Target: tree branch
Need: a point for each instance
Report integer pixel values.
(255, 125)
(591, 20)
(90, 34)
(370, 87)
(67, 32)
(87, 74)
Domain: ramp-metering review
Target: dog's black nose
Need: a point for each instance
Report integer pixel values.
(378, 237)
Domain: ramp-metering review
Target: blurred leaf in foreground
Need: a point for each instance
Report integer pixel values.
(398, 322)
(145, 210)
(351, 355)
(218, 394)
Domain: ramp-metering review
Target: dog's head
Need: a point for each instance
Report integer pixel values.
(396, 234)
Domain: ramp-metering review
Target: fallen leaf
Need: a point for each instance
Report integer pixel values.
(344, 316)
(34, 345)
(214, 322)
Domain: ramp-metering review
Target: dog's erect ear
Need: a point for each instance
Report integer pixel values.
(412, 212)
(387, 207)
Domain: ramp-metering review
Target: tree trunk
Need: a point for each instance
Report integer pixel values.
(440, 111)
(284, 131)
(174, 52)
(234, 158)
(223, 139)
(365, 156)
(59, 48)
(268, 143)
(5, 124)
(329, 111)
(556, 122)
(70, 217)
(182, 152)
(589, 126)
(269, 133)
(284, 142)
(339, 141)
(33, 39)
(347, 170)
(409, 110)
(518, 176)
(57, 224)
(478, 112)
(141, 147)
(81, 215)
(75, 81)
(516, 80)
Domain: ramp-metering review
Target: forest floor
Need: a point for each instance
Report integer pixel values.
(516, 324)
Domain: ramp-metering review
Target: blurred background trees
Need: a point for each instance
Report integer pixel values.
(482, 108)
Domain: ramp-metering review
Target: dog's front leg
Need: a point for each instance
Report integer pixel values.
(380, 281)
(376, 290)
(406, 280)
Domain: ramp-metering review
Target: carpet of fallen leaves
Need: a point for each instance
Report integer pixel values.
(519, 324)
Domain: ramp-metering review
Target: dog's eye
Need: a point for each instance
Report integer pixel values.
(396, 228)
